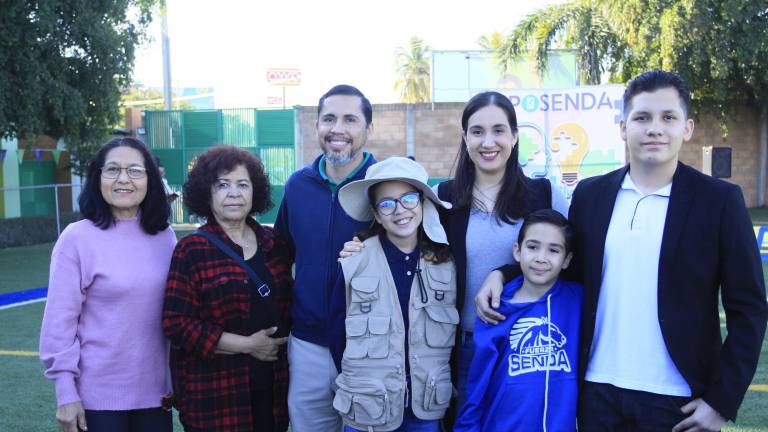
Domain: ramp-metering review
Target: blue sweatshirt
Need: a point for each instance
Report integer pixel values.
(524, 370)
(315, 227)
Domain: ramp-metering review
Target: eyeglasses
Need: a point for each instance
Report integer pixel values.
(113, 172)
(388, 206)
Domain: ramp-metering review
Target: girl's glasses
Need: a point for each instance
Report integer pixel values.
(409, 201)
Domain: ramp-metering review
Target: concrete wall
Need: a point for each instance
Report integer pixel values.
(437, 134)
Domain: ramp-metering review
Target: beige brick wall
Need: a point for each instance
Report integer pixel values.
(437, 135)
(743, 135)
(387, 138)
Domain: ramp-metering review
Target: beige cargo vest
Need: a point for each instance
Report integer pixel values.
(372, 383)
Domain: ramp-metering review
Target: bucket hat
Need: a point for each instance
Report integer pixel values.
(353, 197)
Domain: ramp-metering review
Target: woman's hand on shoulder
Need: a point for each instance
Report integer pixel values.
(71, 417)
(264, 347)
(351, 247)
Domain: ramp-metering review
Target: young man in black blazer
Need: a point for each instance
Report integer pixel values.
(656, 243)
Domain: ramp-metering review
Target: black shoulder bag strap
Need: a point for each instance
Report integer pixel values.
(263, 289)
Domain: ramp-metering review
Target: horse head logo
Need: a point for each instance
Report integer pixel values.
(535, 332)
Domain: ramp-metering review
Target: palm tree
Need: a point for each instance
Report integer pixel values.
(412, 67)
(584, 25)
(494, 41)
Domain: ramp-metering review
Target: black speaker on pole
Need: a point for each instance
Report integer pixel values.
(721, 162)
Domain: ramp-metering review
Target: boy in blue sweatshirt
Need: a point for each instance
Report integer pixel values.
(523, 374)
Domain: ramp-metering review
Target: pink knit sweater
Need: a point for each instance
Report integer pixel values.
(102, 339)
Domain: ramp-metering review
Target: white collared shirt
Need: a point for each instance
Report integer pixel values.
(628, 349)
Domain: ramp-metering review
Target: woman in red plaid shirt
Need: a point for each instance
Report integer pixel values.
(227, 332)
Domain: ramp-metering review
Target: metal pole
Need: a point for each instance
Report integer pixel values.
(432, 79)
(469, 85)
(410, 141)
(762, 159)
(58, 213)
(167, 91)
(283, 97)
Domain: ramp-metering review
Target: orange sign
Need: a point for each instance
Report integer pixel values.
(284, 77)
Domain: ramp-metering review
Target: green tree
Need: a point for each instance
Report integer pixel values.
(146, 98)
(494, 41)
(412, 67)
(582, 25)
(63, 65)
(719, 46)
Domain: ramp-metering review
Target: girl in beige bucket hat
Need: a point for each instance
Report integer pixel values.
(393, 309)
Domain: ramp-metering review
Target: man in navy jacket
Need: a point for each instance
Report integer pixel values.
(657, 243)
(316, 227)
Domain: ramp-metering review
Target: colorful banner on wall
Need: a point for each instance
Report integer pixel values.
(570, 134)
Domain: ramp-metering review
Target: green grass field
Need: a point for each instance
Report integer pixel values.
(28, 403)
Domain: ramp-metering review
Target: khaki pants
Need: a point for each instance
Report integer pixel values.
(311, 388)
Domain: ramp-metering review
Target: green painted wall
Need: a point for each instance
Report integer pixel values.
(37, 202)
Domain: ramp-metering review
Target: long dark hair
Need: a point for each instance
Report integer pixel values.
(155, 209)
(511, 199)
(430, 250)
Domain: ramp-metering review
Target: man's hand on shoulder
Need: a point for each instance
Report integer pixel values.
(702, 417)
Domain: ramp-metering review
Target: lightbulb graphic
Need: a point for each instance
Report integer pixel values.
(571, 142)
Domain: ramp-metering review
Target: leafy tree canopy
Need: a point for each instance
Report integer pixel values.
(146, 98)
(63, 65)
(720, 47)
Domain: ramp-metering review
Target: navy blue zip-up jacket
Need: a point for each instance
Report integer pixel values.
(315, 227)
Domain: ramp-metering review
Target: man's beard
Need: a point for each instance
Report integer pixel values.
(339, 159)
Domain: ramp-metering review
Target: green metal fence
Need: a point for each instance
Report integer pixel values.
(178, 137)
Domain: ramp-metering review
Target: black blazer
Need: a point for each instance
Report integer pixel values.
(708, 246)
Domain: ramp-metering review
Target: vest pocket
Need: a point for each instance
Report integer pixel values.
(367, 336)
(441, 326)
(438, 389)
(378, 344)
(357, 342)
(441, 290)
(363, 401)
(365, 289)
(440, 274)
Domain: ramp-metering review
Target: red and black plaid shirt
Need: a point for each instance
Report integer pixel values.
(209, 293)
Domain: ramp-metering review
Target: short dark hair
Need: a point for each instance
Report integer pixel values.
(651, 81)
(511, 199)
(219, 159)
(155, 210)
(348, 90)
(547, 216)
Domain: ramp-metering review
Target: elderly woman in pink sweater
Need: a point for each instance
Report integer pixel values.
(102, 340)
